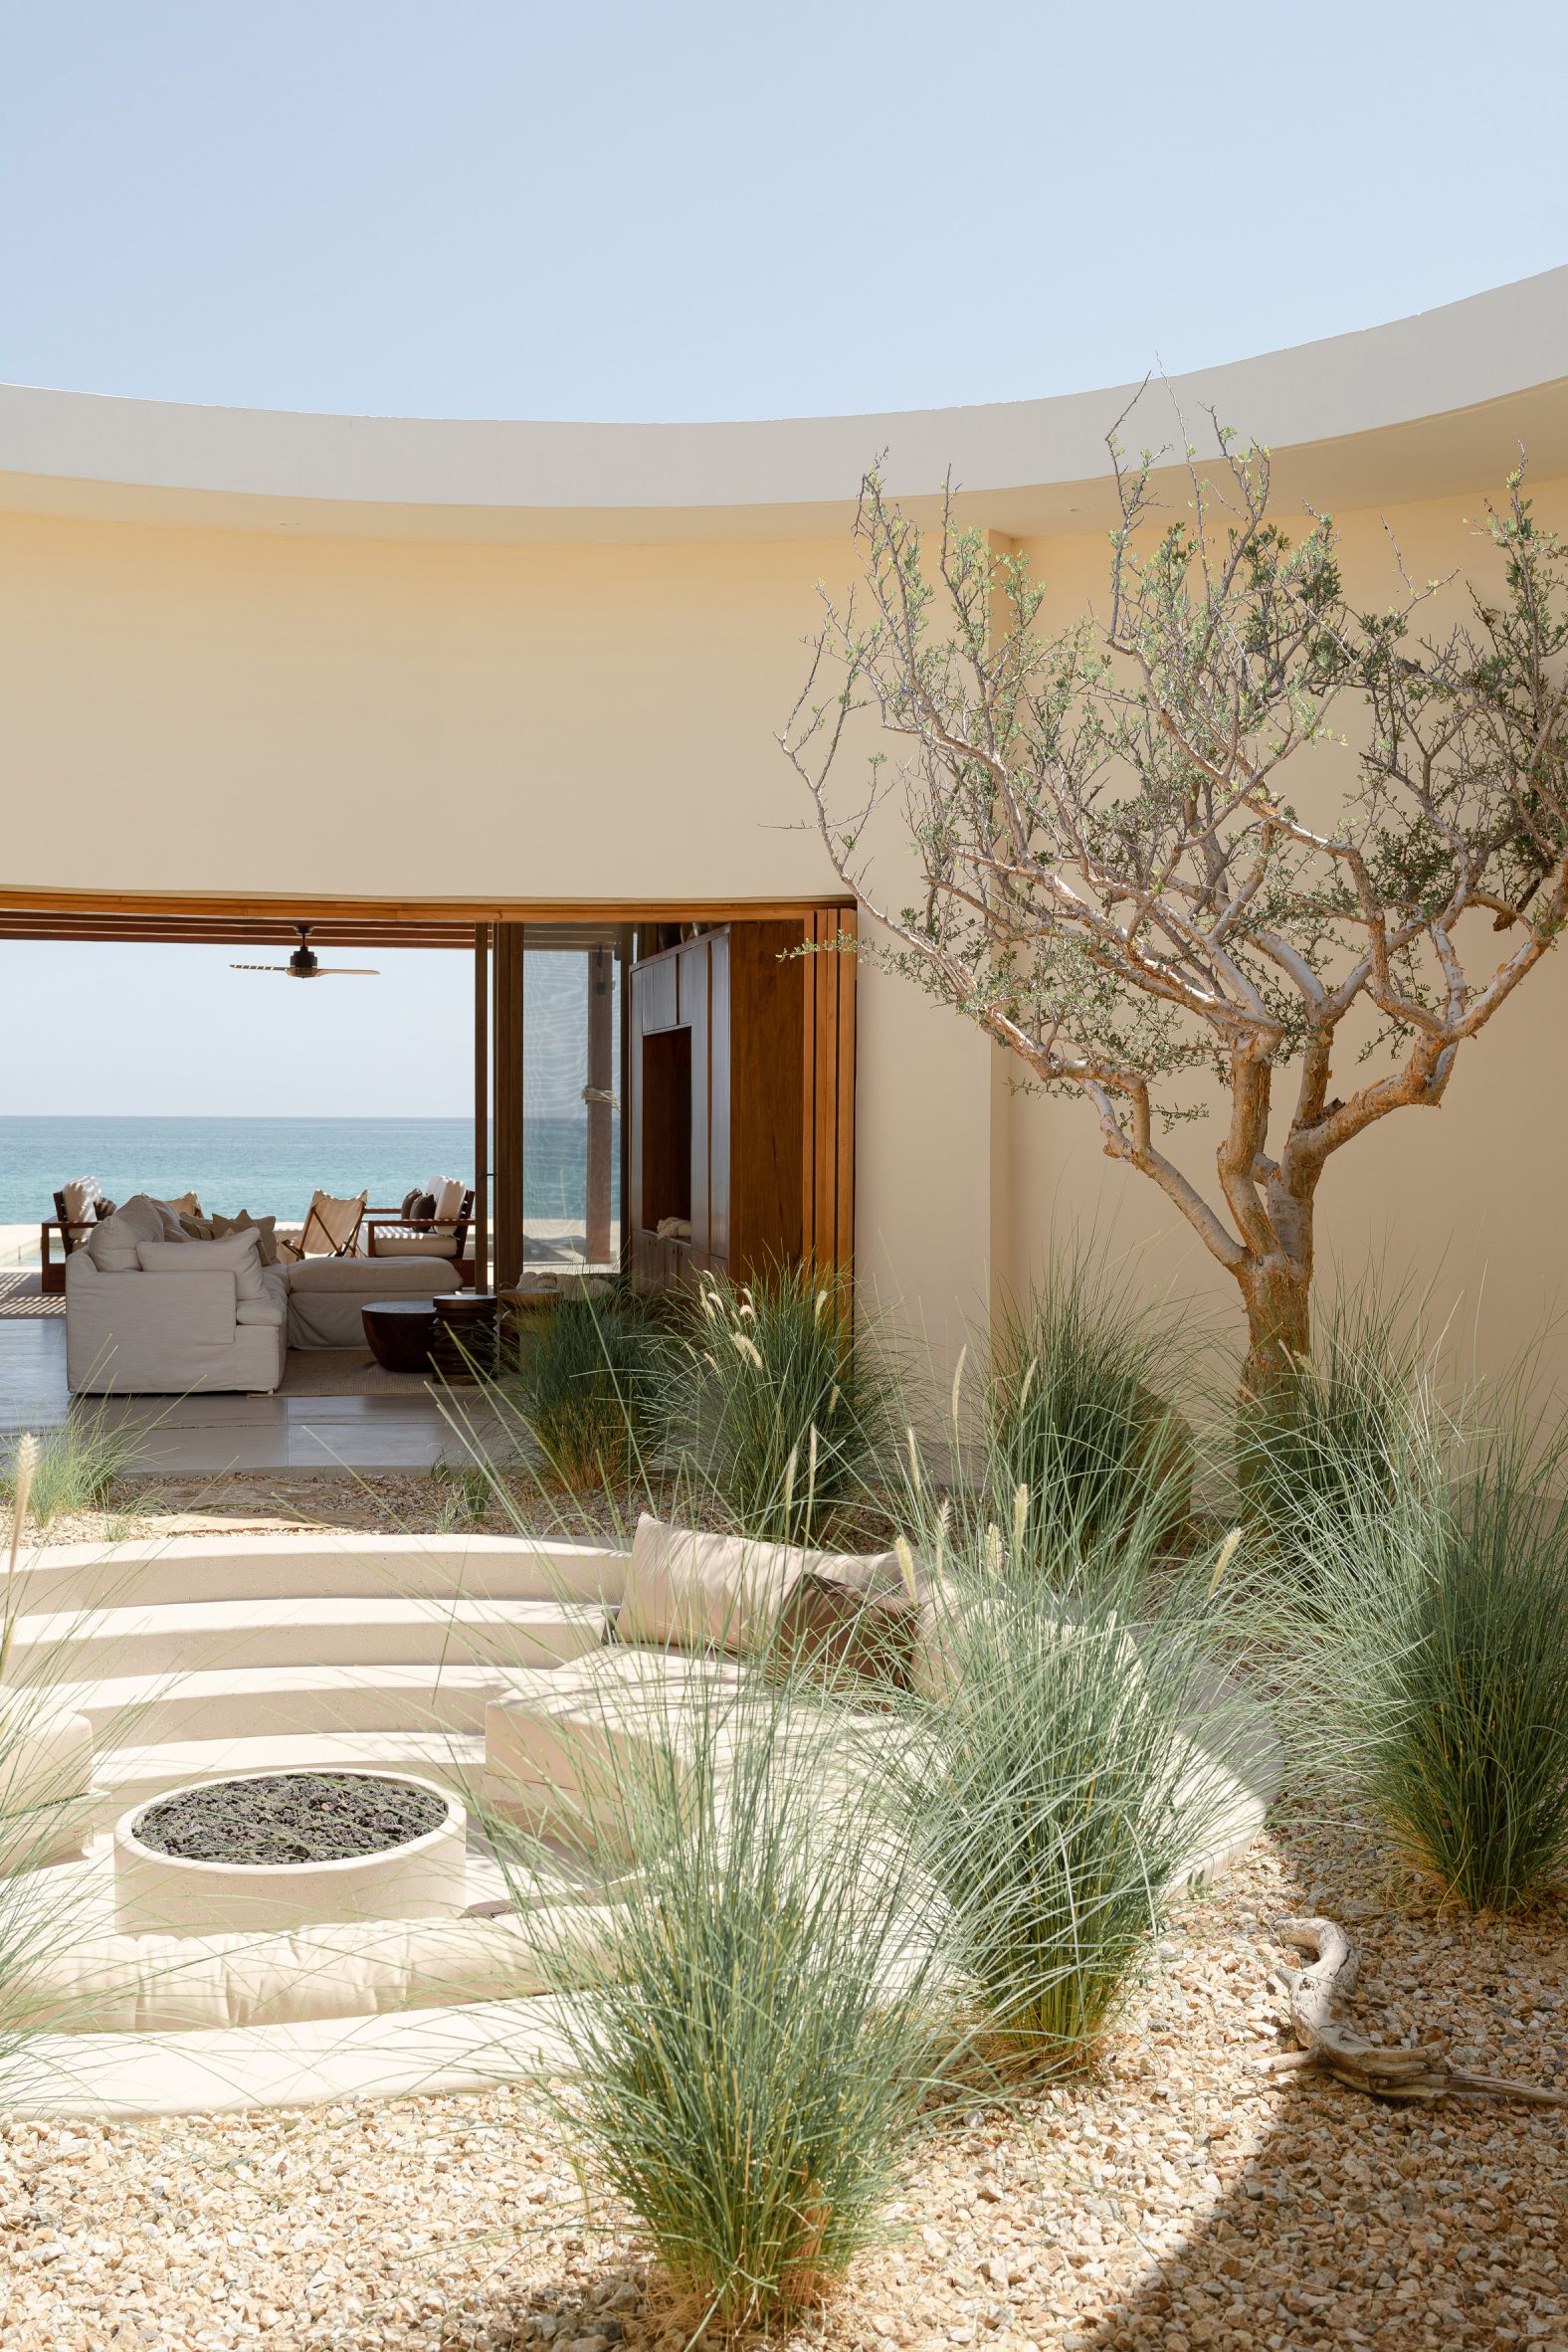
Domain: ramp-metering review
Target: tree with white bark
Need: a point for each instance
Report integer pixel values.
(1229, 829)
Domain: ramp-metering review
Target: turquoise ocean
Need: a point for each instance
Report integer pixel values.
(272, 1166)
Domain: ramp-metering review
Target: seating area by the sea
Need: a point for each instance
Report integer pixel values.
(163, 1299)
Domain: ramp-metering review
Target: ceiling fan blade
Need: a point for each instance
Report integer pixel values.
(345, 972)
(258, 967)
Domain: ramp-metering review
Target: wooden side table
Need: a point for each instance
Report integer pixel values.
(400, 1332)
(468, 1331)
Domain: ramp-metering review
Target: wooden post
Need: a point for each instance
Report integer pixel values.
(509, 1105)
(601, 1109)
(481, 1106)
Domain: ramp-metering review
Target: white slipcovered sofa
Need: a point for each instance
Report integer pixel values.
(150, 1311)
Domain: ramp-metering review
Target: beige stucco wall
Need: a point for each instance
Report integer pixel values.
(377, 718)
(205, 710)
(228, 709)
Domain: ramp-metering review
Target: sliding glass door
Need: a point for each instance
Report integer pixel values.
(558, 1018)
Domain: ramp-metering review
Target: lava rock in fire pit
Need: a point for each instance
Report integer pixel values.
(290, 1816)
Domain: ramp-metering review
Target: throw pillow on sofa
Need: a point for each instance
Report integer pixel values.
(113, 1242)
(264, 1228)
(170, 1220)
(237, 1255)
(445, 1197)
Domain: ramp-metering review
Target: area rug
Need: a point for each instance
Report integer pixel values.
(21, 1297)
(347, 1372)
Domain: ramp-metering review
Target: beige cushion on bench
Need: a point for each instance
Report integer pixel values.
(693, 1591)
(415, 1245)
(159, 1984)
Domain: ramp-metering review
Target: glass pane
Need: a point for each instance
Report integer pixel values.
(571, 1108)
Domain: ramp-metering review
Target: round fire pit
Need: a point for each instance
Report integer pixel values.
(280, 1850)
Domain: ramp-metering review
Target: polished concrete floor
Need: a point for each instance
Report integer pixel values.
(200, 1435)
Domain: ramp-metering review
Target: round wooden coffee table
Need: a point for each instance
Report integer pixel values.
(400, 1331)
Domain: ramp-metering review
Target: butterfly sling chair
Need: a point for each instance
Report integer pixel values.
(331, 1228)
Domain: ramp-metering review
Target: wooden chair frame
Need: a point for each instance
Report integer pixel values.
(377, 1220)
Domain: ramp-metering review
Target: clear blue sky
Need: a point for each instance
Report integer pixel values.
(672, 209)
(677, 209)
(201, 1039)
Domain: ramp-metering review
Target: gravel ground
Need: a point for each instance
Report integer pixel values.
(378, 1502)
(1171, 2201)
(391, 1503)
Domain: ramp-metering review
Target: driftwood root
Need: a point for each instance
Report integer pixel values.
(1330, 2047)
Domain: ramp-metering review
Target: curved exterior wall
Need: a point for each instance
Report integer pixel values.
(379, 659)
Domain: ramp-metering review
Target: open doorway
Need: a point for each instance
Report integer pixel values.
(504, 1159)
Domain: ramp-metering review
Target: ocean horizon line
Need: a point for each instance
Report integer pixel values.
(271, 1164)
(259, 1119)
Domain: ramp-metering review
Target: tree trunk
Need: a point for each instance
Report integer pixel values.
(1277, 1294)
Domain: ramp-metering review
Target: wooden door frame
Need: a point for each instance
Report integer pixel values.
(481, 927)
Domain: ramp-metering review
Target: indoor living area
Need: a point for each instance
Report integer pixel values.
(646, 1096)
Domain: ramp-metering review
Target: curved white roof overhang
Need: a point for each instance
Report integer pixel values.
(1427, 405)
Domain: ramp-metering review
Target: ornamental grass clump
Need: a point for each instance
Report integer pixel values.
(77, 1464)
(780, 1405)
(45, 1809)
(1334, 1434)
(585, 1385)
(751, 2055)
(1074, 1410)
(1083, 1754)
(1431, 1649)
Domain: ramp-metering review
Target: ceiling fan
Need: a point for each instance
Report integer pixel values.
(301, 965)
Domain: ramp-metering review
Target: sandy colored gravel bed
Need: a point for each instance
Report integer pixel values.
(1169, 2202)
(376, 1502)
(372, 1503)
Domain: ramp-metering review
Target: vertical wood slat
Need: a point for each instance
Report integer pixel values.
(828, 1158)
(693, 968)
(508, 1105)
(720, 1103)
(627, 953)
(482, 1086)
(847, 968)
(808, 1171)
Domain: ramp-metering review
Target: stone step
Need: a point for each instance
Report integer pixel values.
(316, 1565)
(217, 1705)
(330, 1630)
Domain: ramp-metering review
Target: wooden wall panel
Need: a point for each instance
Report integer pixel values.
(692, 991)
(827, 1156)
(718, 1101)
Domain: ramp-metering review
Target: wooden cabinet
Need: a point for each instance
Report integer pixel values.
(730, 1089)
